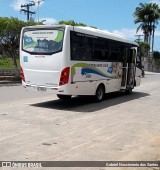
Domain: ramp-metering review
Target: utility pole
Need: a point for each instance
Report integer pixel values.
(38, 2)
(27, 6)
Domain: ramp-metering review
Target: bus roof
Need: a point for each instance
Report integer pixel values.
(93, 31)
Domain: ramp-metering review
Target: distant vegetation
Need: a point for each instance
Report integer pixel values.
(73, 23)
(143, 51)
(147, 15)
(7, 63)
(10, 29)
(156, 56)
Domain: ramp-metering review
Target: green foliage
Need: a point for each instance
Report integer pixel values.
(7, 63)
(144, 45)
(10, 29)
(143, 48)
(147, 15)
(143, 51)
(73, 23)
(156, 56)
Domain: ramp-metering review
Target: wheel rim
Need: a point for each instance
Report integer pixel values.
(100, 94)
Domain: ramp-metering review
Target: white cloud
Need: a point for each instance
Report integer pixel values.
(126, 33)
(130, 34)
(40, 3)
(48, 21)
(16, 4)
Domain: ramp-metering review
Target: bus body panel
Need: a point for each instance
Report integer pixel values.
(41, 70)
(86, 76)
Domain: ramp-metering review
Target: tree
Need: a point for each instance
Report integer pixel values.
(10, 29)
(154, 17)
(73, 23)
(147, 15)
(156, 56)
(141, 16)
(143, 50)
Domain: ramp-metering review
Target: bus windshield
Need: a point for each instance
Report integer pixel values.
(42, 41)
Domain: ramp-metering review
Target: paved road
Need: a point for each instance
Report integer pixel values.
(37, 126)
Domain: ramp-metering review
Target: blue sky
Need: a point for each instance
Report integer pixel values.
(110, 15)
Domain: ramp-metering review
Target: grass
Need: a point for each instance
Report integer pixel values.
(7, 63)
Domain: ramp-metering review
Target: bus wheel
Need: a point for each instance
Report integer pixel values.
(128, 91)
(100, 92)
(64, 97)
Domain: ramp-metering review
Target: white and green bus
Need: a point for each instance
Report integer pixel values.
(70, 60)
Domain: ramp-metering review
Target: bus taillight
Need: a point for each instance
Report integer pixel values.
(64, 76)
(22, 74)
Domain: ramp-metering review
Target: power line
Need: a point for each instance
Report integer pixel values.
(138, 37)
(27, 6)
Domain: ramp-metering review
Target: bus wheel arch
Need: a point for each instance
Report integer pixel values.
(100, 92)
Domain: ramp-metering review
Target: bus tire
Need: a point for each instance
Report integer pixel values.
(64, 97)
(100, 93)
(128, 91)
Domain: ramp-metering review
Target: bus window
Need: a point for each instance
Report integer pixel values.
(81, 47)
(115, 56)
(115, 52)
(100, 49)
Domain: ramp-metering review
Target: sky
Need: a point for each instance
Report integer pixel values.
(115, 16)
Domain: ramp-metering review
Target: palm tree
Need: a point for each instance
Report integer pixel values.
(154, 17)
(147, 15)
(141, 16)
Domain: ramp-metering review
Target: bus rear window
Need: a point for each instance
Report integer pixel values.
(42, 41)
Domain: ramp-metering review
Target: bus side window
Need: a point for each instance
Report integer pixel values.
(100, 49)
(76, 45)
(87, 48)
(81, 47)
(115, 53)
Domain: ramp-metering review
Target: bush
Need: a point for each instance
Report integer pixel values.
(7, 63)
(156, 56)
